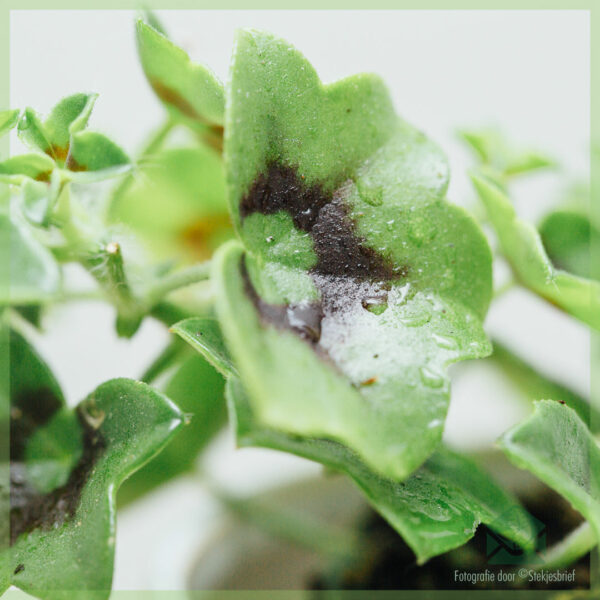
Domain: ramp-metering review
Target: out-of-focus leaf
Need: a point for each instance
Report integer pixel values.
(205, 336)
(63, 527)
(493, 150)
(198, 390)
(91, 151)
(556, 446)
(28, 271)
(567, 237)
(522, 246)
(35, 166)
(188, 90)
(438, 508)
(360, 283)
(177, 203)
(8, 120)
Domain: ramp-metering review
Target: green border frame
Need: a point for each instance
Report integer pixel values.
(593, 6)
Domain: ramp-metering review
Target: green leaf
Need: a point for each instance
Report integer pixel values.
(188, 90)
(205, 336)
(28, 272)
(567, 237)
(63, 509)
(521, 245)
(360, 283)
(69, 117)
(8, 120)
(494, 150)
(198, 390)
(556, 446)
(35, 166)
(438, 508)
(53, 136)
(91, 151)
(177, 204)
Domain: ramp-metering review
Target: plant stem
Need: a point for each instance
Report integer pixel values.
(164, 360)
(153, 145)
(537, 386)
(577, 544)
(179, 279)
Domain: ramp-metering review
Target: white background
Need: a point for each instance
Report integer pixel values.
(527, 71)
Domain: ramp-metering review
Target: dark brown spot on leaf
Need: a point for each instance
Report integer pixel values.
(73, 165)
(20, 567)
(30, 510)
(43, 177)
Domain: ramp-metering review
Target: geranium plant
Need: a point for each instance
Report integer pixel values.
(317, 283)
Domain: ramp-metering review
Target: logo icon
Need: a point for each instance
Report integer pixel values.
(502, 551)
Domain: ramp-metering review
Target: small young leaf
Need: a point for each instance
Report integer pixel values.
(91, 151)
(8, 120)
(188, 90)
(62, 539)
(360, 283)
(494, 151)
(556, 446)
(522, 246)
(205, 336)
(31, 273)
(438, 508)
(35, 166)
(32, 132)
(68, 117)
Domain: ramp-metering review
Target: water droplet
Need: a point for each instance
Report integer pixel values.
(435, 424)
(270, 239)
(431, 378)
(444, 342)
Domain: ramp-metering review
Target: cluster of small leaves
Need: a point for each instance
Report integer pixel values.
(351, 287)
(555, 443)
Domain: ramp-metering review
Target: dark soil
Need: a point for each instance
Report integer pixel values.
(389, 564)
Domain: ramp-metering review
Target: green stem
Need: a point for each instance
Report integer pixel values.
(566, 552)
(168, 357)
(179, 279)
(153, 145)
(537, 386)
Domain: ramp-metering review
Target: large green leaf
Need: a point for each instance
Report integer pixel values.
(556, 446)
(63, 527)
(197, 389)
(187, 89)
(360, 283)
(438, 508)
(522, 246)
(28, 271)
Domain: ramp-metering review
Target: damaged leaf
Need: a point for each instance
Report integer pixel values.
(522, 246)
(438, 508)
(63, 526)
(358, 284)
